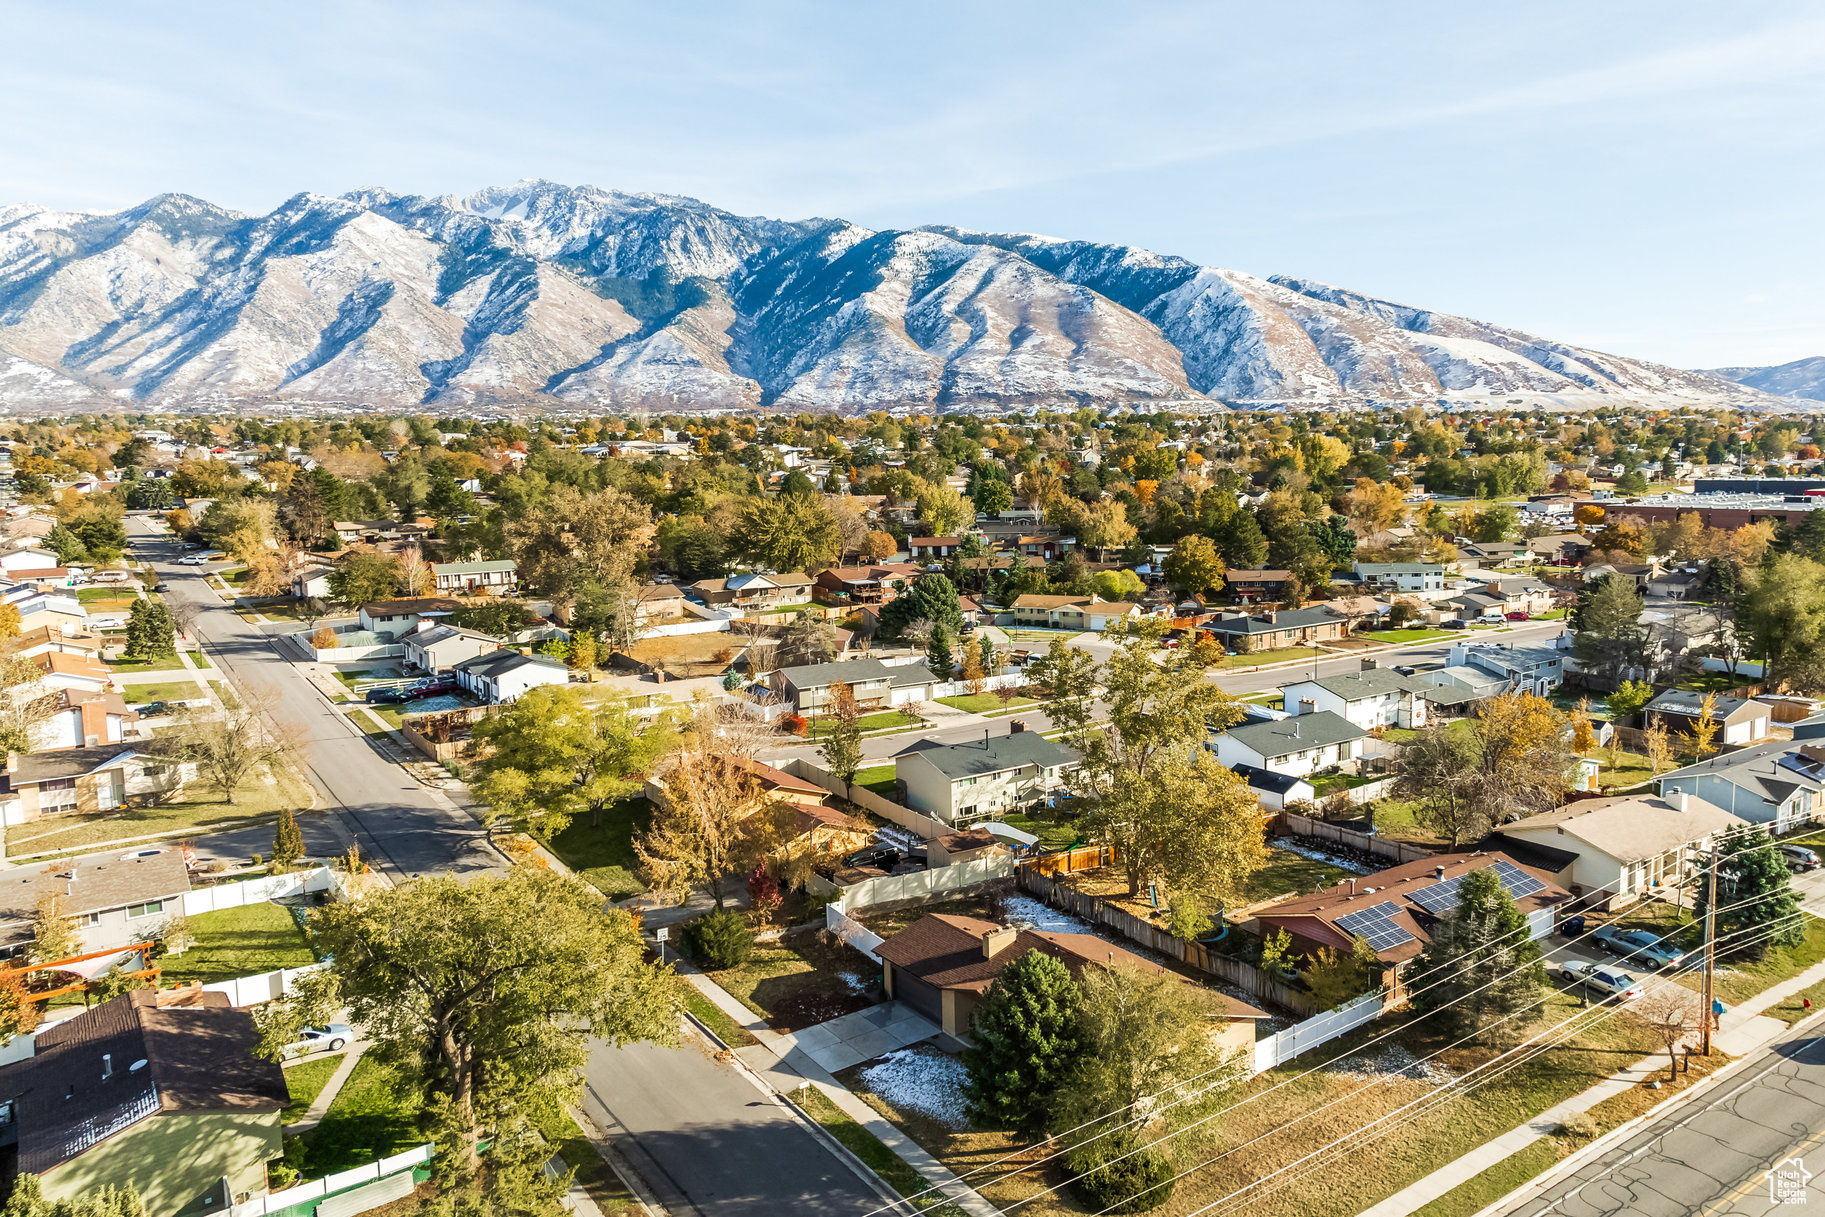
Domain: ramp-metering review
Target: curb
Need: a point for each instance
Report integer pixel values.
(1609, 1140)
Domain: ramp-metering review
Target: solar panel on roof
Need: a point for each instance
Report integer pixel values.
(1375, 925)
(1438, 898)
(1441, 897)
(1518, 882)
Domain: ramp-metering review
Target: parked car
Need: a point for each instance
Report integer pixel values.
(886, 857)
(379, 697)
(333, 1037)
(431, 686)
(193, 560)
(153, 709)
(160, 586)
(1454, 624)
(1606, 979)
(1517, 616)
(1799, 858)
(1638, 946)
(112, 576)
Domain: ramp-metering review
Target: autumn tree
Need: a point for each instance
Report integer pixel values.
(878, 546)
(53, 935)
(553, 755)
(1704, 727)
(1672, 1014)
(1194, 567)
(364, 579)
(842, 747)
(489, 989)
(945, 511)
(1628, 699)
(230, 747)
(1584, 736)
(1336, 977)
(26, 704)
(1659, 746)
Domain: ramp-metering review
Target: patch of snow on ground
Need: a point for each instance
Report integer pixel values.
(921, 1079)
(1318, 853)
(1028, 913)
(1394, 1061)
(856, 984)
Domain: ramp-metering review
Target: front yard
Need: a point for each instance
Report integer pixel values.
(306, 1080)
(256, 801)
(161, 690)
(799, 980)
(604, 855)
(1398, 637)
(242, 941)
(986, 703)
(127, 667)
(886, 720)
(374, 1116)
(1255, 658)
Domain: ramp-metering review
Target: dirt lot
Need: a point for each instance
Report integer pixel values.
(688, 655)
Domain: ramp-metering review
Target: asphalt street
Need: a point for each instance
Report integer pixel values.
(1709, 1155)
(703, 1136)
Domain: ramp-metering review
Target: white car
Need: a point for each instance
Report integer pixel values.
(331, 1038)
(1607, 979)
(193, 560)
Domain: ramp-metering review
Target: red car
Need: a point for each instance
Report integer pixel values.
(1517, 616)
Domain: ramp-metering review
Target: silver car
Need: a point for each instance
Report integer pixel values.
(331, 1038)
(1607, 979)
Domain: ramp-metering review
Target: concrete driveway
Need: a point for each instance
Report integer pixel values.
(862, 1036)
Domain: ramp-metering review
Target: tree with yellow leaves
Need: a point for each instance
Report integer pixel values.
(1659, 746)
(1704, 730)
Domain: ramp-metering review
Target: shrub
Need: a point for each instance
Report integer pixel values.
(793, 723)
(719, 940)
(1132, 1184)
(1189, 921)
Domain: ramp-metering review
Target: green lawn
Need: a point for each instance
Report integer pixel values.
(225, 693)
(1052, 834)
(348, 677)
(986, 703)
(1330, 784)
(885, 720)
(129, 666)
(1741, 979)
(1713, 682)
(569, 1142)
(711, 1015)
(106, 599)
(1286, 871)
(241, 941)
(604, 854)
(1557, 614)
(161, 690)
(1406, 735)
(306, 1081)
(880, 779)
(1401, 636)
(374, 1116)
(892, 1169)
(196, 657)
(1254, 658)
(1397, 820)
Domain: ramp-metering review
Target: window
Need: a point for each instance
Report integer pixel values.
(56, 796)
(148, 909)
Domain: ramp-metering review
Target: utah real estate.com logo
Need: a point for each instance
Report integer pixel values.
(1787, 1182)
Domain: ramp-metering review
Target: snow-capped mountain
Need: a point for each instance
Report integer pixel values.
(1803, 378)
(539, 292)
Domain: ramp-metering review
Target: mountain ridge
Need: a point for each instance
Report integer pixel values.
(580, 296)
(1799, 378)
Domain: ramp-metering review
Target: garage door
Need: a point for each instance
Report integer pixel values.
(926, 998)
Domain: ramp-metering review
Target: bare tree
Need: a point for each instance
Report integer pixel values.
(918, 631)
(184, 614)
(762, 650)
(415, 578)
(229, 749)
(26, 704)
(1673, 1013)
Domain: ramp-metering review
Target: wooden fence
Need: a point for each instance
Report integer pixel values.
(1295, 825)
(1098, 911)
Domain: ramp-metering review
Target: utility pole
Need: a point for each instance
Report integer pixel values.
(1710, 947)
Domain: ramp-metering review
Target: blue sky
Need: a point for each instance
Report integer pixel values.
(1642, 178)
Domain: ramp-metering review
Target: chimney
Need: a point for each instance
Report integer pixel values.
(1679, 799)
(1306, 707)
(1272, 616)
(1016, 726)
(997, 940)
(1369, 665)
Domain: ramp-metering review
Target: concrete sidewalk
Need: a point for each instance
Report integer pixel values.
(786, 1067)
(1744, 1030)
(313, 1116)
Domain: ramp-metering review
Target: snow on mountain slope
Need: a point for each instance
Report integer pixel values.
(1803, 378)
(544, 292)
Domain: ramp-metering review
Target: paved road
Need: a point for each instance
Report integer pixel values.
(1708, 1156)
(402, 828)
(710, 1143)
(1240, 681)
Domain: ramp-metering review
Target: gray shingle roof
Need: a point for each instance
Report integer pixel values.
(1299, 733)
(496, 663)
(1292, 619)
(1371, 682)
(1773, 770)
(853, 671)
(995, 754)
(1724, 709)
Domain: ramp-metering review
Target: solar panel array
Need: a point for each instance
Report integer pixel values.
(1441, 897)
(1375, 925)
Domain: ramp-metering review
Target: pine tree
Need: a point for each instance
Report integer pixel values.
(287, 842)
(1485, 963)
(1025, 1042)
(938, 654)
(1754, 896)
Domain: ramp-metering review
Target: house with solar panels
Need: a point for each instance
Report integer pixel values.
(1779, 783)
(1396, 911)
(1613, 852)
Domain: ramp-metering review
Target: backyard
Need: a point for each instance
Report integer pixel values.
(688, 655)
(127, 667)
(242, 941)
(374, 1116)
(604, 854)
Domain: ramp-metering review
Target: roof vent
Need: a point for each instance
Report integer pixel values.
(136, 1066)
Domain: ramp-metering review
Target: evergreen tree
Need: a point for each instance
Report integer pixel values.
(1754, 896)
(931, 598)
(1025, 1042)
(938, 653)
(287, 842)
(1608, 632)
(1241, 542)
(1482, 961)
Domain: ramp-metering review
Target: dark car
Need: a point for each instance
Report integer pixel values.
(885, 857)
(159, 586)
(431, 686)
(380, 697)
(1799, 858)
(1454, 624)
(153, 709)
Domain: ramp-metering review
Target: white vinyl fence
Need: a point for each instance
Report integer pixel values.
(348, 1193)
(254, 891)
(265, 987)
(851, 931)
(1283, 1046)
(923, 885)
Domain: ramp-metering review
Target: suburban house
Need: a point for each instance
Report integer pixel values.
(1272, 630)
(160, 1090)
(1406, 577)
(1675, 584)
(81, 720)
(1475, 554)
(755, 593)
(1528, 669)
(27, 560)
(105, 777)
(311, 582)
(1638, 573)
(1275, 790)
(1046, 547)
(931, 549)
(1517, 595)
(437, 648)
(1613, 852)
(1475, 606)
(1779, 783)
(821, 831)
(1072, 612)
(392, 619)
(1298, 745)
(659, 602)
(67, 670)
(1373, 697)
(504, 675)
(1396, 910)
(877, 584)
(114, 899)
(466, 578)
(808, 686)
(50, 611)
(42, 639)
(1254, 586)
(1559, 549)
(1739, 721)
(981, 779)
(1359, 612)
(942, 964)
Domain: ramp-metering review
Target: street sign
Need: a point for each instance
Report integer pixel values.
(662, 933)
